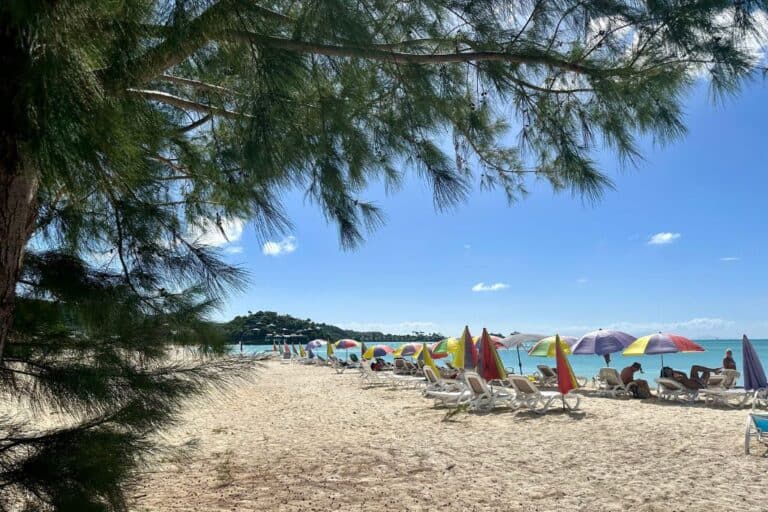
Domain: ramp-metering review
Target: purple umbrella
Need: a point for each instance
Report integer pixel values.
(754, 376)
(602, 342)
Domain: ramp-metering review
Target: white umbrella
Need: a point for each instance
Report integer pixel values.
(517, 340)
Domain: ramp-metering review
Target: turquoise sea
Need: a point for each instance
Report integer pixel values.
(588, 366)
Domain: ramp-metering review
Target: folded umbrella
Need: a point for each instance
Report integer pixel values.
(489, 365)
(754, 375)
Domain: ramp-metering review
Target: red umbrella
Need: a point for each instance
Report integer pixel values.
(489, 364)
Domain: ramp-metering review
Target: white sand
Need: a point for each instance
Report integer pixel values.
(306, 438)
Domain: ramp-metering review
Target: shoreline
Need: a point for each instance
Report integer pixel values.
(306, 438)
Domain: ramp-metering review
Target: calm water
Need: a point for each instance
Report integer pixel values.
(588, 366)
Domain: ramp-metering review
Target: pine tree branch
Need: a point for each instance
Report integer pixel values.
(372, 53)
(185, 104)
(196, 84)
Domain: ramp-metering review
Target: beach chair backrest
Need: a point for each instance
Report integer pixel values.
(430, 375)
(546, 371)
(670, 384)
(523, 385)
(611, 376)
(476, 384)
(760, 422)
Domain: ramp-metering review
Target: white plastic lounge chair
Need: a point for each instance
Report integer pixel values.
(547, 375)
(450, 398)
(728, 397)
(670, 389)
(609, 383)
(528, 395)
(371, 377)
(757, 429)
(435, 383)
(484, 396)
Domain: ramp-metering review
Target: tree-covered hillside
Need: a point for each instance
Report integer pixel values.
(264, 326)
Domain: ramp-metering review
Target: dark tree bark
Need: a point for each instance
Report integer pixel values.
(18, 181)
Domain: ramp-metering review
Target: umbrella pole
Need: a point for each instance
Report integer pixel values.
(519, 362)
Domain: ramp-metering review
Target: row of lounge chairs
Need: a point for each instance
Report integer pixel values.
(515, 392)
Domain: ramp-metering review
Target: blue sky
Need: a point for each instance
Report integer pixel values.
(558, 264)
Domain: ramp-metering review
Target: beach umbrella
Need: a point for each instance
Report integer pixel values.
(285, 347)
(602, 342)
(293, 349)
(566, 380)
(495, 339)
(466, 353)
(754, 376)
(377, 351)
(444, 348)
(316, 343)
(545, 347)
(517, 341)
(661, 343)
(274, 346)
(301, 351)
(346, 343)
(329, 350)
(363, 349)
(407, 349)
(489, 364)
(426, 358)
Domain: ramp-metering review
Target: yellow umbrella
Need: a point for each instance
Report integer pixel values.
(426, 358)
(329, 349)
(465, 355)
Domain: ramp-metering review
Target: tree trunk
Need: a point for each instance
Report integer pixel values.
(17, 220)
(18, 181)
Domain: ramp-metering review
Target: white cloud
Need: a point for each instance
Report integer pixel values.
(495, 287)
(582, 280)
(235, 249)
(208, 233)
(467, 246)
(730, 258)
(663, 238)
(285, 246)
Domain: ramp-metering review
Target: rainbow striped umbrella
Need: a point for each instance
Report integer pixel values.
(545, 347)
(346, 343)
(661, 343)
(377, 351)
(316, 343)
(499, 342)
(489, 365)
(407, 349)
(444, 348)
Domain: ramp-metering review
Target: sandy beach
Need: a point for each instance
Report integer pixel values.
(306, 438)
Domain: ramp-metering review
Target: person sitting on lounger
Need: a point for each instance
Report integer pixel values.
(628, 373)
(640, 387)
(682, 378)
(728, 361)
(376, 365)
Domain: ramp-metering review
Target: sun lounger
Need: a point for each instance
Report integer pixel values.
(485, 396)
(547, 376)
(528, 395)
(720, 390)
(757, 429)
(435, 383)
(609, 383)
(670, 389)
(373, 378)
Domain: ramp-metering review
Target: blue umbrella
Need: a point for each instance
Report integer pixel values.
(602, 342)
(754, 376)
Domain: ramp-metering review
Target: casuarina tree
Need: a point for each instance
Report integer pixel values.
(130, 131)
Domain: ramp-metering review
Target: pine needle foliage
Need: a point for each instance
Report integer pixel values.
(140, 126)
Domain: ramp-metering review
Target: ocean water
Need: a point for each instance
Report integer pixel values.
(588, 366)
